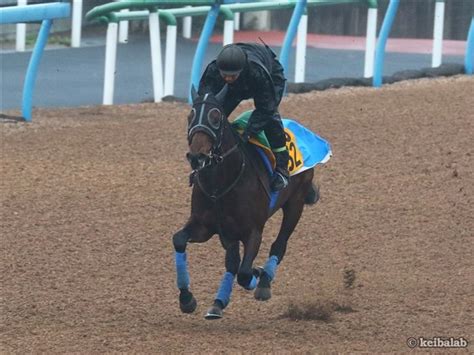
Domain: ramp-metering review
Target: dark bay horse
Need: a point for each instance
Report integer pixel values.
(231, 198)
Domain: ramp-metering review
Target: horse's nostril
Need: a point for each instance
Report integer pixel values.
(198, 160)
(193, 159)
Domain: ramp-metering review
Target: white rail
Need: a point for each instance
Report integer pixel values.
(123, 29)
(155, 46)
(76, 23)
(21, 31)
(110, 60)
(371, 37)
(301, 40)
(438, 35)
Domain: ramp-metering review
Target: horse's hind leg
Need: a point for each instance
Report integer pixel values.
(292, 211)
(232, 261)
(194, 232)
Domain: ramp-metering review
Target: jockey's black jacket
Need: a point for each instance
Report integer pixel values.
(261, 79)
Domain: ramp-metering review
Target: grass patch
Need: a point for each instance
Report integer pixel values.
(52, 39)
(30, 40)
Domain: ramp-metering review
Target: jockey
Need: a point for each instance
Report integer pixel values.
(252, 71)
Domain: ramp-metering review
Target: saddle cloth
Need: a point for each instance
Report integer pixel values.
(306, 148)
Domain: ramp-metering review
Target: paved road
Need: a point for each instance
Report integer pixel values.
(70, 77)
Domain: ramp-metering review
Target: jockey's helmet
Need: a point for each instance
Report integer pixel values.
(231, 60)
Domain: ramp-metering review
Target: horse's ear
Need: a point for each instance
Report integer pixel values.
(221, 94)
(194, 94)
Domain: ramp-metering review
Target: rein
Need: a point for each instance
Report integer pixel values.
(246, 154)
(214, 160)
(215, 197)
(267, 191)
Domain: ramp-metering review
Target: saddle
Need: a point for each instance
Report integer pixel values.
(306, 149)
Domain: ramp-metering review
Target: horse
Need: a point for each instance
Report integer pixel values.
(230, 198)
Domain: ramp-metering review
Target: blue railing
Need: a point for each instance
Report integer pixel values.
(382, 42)
(469, 59)
(291, 33)
(41, 12)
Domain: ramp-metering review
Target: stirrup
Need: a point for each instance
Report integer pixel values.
(279, 182)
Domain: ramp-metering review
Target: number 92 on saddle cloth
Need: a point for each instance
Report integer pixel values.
(306, 148)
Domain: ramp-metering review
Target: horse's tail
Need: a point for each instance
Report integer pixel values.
(312, 196)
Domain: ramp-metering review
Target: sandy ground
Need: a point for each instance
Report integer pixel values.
(90, 199)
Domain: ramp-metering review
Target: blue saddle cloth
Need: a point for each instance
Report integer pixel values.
(305, 147)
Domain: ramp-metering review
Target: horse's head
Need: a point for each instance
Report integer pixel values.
(206, 123)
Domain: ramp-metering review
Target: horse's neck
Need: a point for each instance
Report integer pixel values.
(224, 174)
(233, 161)
(229, 140)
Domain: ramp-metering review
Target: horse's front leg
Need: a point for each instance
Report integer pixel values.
(232, 261)
(191, 232)
(245, 276)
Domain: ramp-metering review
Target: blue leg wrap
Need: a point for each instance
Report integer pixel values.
(181, 270)
(252, 284)
(270, 266)
(225, 289)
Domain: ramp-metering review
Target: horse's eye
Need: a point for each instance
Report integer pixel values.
(191, 115)
(214, 117)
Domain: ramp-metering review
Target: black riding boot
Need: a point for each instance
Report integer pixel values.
(281, 176)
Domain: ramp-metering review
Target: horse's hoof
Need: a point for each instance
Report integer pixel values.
(263, 294)
(189, 307)
(215, 312)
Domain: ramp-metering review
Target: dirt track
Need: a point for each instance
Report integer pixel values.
(91, 197)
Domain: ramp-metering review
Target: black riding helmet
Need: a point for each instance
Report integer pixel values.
(231, 60)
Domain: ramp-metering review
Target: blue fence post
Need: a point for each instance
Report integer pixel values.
(202, 46)
(468, 61)
(32, 70)
(291, 33)
(380, 50)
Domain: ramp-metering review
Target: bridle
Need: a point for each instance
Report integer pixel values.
(213, 122)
